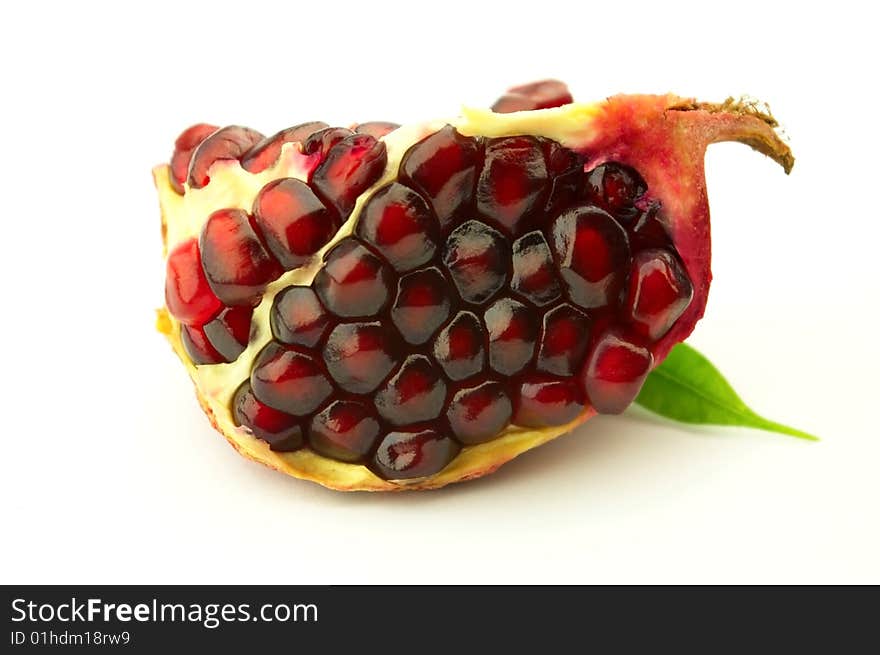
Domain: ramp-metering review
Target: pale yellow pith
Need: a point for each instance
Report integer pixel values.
(233, 187)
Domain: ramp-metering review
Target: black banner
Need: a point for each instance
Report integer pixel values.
(450, 619)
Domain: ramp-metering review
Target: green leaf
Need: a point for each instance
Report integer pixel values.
(686, 387)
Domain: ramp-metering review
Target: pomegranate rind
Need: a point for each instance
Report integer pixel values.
(664, 137)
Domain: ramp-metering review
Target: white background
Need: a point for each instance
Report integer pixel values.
(110, 472)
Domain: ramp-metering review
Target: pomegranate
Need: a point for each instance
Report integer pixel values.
(400, 307)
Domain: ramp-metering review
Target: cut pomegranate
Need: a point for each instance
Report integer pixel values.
(659, 292)
(376, 129)
(615, 188)
(536, 95)
(346, 430)
(414, 394)
(360, 355)
(563, 340)
(443, 167)
(478, 257)
(513, 330)
(226, 143)
(236, 263)
(406, 455)
(544, 400)
(592, 252)
(265, 153)
(513, 182)
(188, 295)
(353, 281)
(298, 318)
(184, 146)
(478, 414)
(281, 431)
(293, 221)
(350, 168)
(399, 224)
(534, 274)
(289, 380)
(615, 371)
(459, 348)
(489, 289)
(422, 305)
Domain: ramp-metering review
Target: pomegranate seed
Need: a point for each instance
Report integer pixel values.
(281, 431)
(477, 257)
(376, 129)
(407, 455)
(615, 188)
(289, 380)
(422, 305)
(544, 401)
(535, 95)
(321, 141)
(659, 292)
(230, 332)
(399, 224)
(197, 346)
(350, 168)
(513, 331)
(298, 318)
(649, 230)
(566, 169)
(220, 340)
(415, 393)
(514, 181)
(479, 414)
(510, 103)
(459, 347)
(353, 281)
(226, 143)
(236, 264)
(615, 371)
(592, 252)
(534, 276)
(563, 340)
(188, 295)
(184, 146)
(345, 430)
(266, 152)
(360, 355)
(293, 221)
(443, 168)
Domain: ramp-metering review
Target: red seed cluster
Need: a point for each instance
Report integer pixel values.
(213, 283)
(495, 282)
